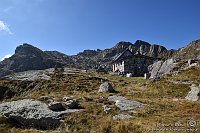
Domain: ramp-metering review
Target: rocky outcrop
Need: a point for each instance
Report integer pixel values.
(28, 57)
(6, 92)
(191, 51)
(106, 87)
(31, 75)
(194, 94)
(32, 113)
(123, 104)
(161, 68)
(88, 53)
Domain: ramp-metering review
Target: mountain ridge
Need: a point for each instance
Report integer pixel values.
(28, 57)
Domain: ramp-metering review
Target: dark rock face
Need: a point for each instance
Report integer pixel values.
(27, 57)
(5, 92)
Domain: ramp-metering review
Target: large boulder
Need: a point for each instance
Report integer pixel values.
(161, 68)
(106, 87)
(194, 94)
(56, 106)
(123, 104)
(32, 113)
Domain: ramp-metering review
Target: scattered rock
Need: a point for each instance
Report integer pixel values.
(31, 113)
(124, 104)
(106, 87)
(45, 98)
(71, 104)
(194, 94)
(115, 98)
(106, 108)
(67, 98)
(121, 116)
(56, 106)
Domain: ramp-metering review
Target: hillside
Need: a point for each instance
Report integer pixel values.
(191, 51)
(164, 101)
(39, 97)
(28, 57)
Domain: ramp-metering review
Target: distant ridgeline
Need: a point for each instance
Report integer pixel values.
(28, 57)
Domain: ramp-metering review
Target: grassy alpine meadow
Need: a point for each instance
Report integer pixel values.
(165, 110)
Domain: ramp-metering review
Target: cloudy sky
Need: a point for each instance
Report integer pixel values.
(71, 26)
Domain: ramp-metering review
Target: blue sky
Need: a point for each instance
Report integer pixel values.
(70, 26)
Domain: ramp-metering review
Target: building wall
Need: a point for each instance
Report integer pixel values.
(138, 66)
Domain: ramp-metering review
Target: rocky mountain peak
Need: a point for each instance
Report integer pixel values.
(27, 49)
(88, 53)
(122, 45)
(192, 50)
(140, 42)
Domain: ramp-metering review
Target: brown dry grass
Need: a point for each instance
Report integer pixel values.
(165, 103)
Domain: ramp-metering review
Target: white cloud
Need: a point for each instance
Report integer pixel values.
(6, 56)
(4, 27)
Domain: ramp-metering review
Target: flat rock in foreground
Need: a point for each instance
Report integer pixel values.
(32, 113)
(123, 104)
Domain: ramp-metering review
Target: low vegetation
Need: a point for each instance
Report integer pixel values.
(164, 99)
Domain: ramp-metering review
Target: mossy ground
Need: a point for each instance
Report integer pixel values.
(165, 103)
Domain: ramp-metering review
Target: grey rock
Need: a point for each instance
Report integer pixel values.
(66, 98)
(154, 68)
(161, 68)
(106, 87)
(167, 67)
(121, 116)
(45, 97)
(106, 108)
(115, 98)
(56, 106)
(194, 94)
(31, 113)
(71, 104)
(123, 104)
(29, 75)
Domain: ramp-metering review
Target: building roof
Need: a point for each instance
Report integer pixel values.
(121, 54)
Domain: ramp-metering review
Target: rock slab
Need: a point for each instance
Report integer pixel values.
(194, 94)
(123, 104)
(32, 113)
(121, 116)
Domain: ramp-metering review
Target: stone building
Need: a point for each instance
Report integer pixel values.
(128, 62)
